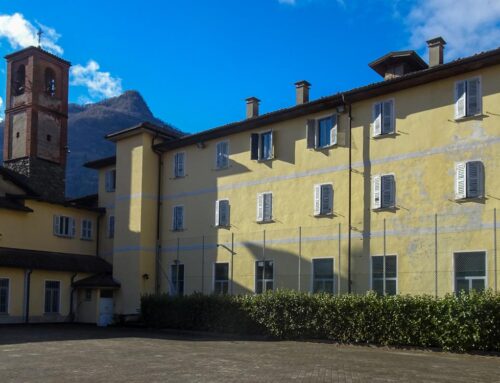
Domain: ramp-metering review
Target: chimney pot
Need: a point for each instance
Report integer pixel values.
(436, 49)
(302, 92)
(252, 107)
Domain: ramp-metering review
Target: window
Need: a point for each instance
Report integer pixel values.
(20, 80)
(111, 226)
(178, 218)
(389, 284)
(177, 278)
(383, 118)
(222, 213)
(4, 296)
(323, 199)
(88, 295)
(179, 160)
(470, 271)
(222, 155)
(322, 132)
(469, 180)
(384, 191)
(50, 82)
(52, 296)
(111, 180)
(64, 226)
(221, 278)
(262, 147)
(468, 97)
(264, 276)
(323, 278)
(86, 229)
(264, 207)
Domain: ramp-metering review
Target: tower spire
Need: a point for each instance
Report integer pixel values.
(39, 34)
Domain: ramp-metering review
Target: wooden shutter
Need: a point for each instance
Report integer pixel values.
(474, 179)
(57, 223)
(473, 97)
(388, 191)
(224, 213)
(268, 206)
(254, 146)
(311, 134)
(460, 106)
(108, 181)
(217, 213)
(377, 119)
(333, 132)
(317, 199)
(460, 180)
(326, 199)
(260, 207)
(225, 154)
(388, 117)
(180, 164)
(180, 217)
(377, 200)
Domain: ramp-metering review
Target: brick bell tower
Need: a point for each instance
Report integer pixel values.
(36, 120)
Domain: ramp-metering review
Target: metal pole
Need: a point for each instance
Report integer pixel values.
(495, 244)
(232, 262)
(264, 259)
(383, 261)
(338, 268)
(177, 268)
(300, 255)
(436, 255)
(203, 264)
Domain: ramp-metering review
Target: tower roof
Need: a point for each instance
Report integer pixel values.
(35, 50)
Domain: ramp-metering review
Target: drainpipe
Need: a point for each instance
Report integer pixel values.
(27, 292)
(158, 217)
(349, 229)
(97, 231)
(71, 313)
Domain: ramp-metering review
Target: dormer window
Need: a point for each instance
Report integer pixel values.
(50, 82)
(20, 80)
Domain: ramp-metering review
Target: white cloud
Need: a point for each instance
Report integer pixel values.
(99, 84)
(295, 2)
(20, 33)
(289, 2)
(468, 26)
(1, 109)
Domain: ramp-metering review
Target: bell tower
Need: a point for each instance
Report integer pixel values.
(36, 119)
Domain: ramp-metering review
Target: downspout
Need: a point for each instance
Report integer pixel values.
(158, 218)
(28, 288)
(71, 313)
(349, 223)
(97, 236)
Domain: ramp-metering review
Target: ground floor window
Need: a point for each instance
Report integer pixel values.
(264, 276)
(4, 295)
(385, 284)
(52, 296)
(221, 278)
(323, 277)
(470, 271)
(177, 272)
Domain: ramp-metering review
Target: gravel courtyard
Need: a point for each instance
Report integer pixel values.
(74, 353)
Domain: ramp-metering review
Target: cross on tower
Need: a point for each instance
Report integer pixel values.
(39, 34)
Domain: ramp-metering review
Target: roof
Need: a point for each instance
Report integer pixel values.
(18, 180)
(91, 201)
(30, 50)
(409, 80)
(411, 58)
(143, 126)
(99, 280)
(76, 203)
(7, 203)
(101, 163)
(46, 260)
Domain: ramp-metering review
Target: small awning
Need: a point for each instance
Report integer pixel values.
(97, 281)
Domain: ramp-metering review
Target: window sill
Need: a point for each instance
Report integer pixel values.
(64, 236)
(470, 199)
(86, 239)
(178, 177)
(468, 118)
(110, 191)
(387, 208)
(177, 230)
(265, 159)
(266, 221)
(323, 148)
(323, 215)
(226, 227)
(385, 135)
(220, 169)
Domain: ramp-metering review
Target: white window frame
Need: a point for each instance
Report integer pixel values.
(218, 215)
(7, 312)
(321, 211)
(89, 229)
(176, 173)
(466, 113)
(217, 167)
(333, 132)
(386, 278)
(374, 118)
(70, 225)
(454, 279)
(264, 280)
(174, 228)
(323, 279)
(44, 296)
(466, 195)
(110, 180)
(260, 146)
(215, 281)
(111, 233)
(263, 219)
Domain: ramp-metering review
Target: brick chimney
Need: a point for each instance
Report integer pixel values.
(302, 92)
(252, 107)
(436, 49)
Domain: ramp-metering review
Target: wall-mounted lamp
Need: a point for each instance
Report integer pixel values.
(145, 276)
(200, 145)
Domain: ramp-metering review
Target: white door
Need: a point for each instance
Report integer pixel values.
(105, 312)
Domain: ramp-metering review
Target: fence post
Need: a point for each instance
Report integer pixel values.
(338, 268)
(203, 264)
(383, 260)
(495, 245)
(264, 259)
(232, 262)
(436, 255)
(177, 267)
(300, 255)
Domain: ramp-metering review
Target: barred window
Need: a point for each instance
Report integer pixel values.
(177, 278)
(221, 278)
(323, 277)
(385, 284)
(264, 276)
(52, 296)
(470, 271)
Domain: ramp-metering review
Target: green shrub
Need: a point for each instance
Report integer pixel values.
(455, 322)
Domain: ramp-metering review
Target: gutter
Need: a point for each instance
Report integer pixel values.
(71, 313)
(349, 221)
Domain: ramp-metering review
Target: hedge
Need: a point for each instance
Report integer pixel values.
(462, 322)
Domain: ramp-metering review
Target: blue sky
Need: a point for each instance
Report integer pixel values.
(195, 61)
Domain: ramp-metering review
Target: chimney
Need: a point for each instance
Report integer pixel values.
(252, 107)
(302, 92)
(436, 48)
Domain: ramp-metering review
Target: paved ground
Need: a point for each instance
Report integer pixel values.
(72, 353)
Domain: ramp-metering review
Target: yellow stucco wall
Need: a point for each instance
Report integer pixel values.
(107, 201)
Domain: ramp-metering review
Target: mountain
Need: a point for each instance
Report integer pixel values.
(87, 126)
